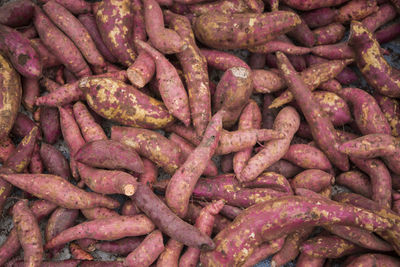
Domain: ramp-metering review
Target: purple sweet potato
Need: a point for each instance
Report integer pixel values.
(151, 145)
(104, 229)
(76, 7)
(385, 14)
(54, 161)
(123, 103)
(319, 17)
(314, 180)
(99, 213)
(115, 22)
(16, 13)
(50, 124)
(356, 181)
(391, 109)
(122, 246)
(56, 189)
(307, 157)
(329, 34)
(334, 51)
(222, 60)
(376, 70)
(72, 27)
(142, 70)
(321, 127)
(223, 7)
(311, 4)
(59, 44)
(263, 251)
(46, 57)
(388, 33)
(91, 131)
(302, 33)
(30, 91)
(227, 163)
(270, 225)
(307, 261)
(278, 45)
(334, 106)
(286, 122)
(6, 148)
(150, 173)
(23, 125)
(369, 260)
(218, 30)
(28, 233)
(356, 10)
(271, 180)
(329, 247)
(36, 164)
(266, 81)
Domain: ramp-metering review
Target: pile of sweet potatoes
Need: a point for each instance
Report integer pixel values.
(178, 152)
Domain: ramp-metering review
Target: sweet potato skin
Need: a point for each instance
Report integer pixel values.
(133, 109)
(388, 33)
(99, 213)
(311, 4)
(329, 34)
(334, 106)
(142, 70)
(6, 148)
(356, 181)
(370, 260)
(222, 60)
(391, 109)
(11, 93)
(313, 179)
(328, 247)
(46, 57)
(319, 17)
(263, 251)
(385, 14)
(265, 81)
(122, 246)
(28, 233)
(90, 129)
(215, 30)
(50, 124)
(16, 13)
(54, 161)
(356, 10)
(307, 157)
(76, 7)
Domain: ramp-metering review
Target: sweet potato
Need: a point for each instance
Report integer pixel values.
(313, 77)
(60, 220)
(328, 247)
(49, 84)
(377, 72)
(184, 179)
(59, 44)
(222, 60)
(149, 144)
(120, 102)
(263, 251)
(16, 13)
(286, 122)
(329, 34)
(396, 4)
(150, 173)
(270, 180)
(307, 157)
(223, 7)
(385, 14)
(78, 253)
(388, 33)
(356, 10)
(170, 254)
(30, 91)
(99, 213)
(169, 84)
(59, 191)
(266, 81)
(220, 222)
(205, 223)
(23, 125)
(367, 114)
(142, 70)
(334, 51)
(277, 45)
(270, 225)
(54, 161)
(104, 229)
(147, 252)
(50, 124)
(257, 61)
(227, 163)
(129, 208)
(369, 260)
(122, 246)
(268, 114)
(76, 7)
(302, 33)
(311, 4)
(218, 30)
(28, 233)
(72, 27)
(91, 131)
(334, 106)
(10, 92)
(390, 108)
(36, 164)
(319, 17)
(6, 148)
(321, 128)
(356, 182)
(46, 57)
(115, 22)
(314, 180)
(187, 148)
(63, 263)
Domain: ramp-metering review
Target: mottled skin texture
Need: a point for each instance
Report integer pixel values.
(110, 155)
(186, 132)
(321, 127)
(371, 146)
(50, 124)
(115, 22)
(388, 33)
(183, 181)
(122, 246)
(356, 10)
(30, 92)
(151, 145)
(276, 45)
(150, 172)
(142, 70)
(10, 247)
(59, 44)
(222, 60)
(168, 222)
(16, 13)
(312, 4)
(218, 31)
(104, 229)
(371, 260)
(90, 129)
(54, 161)
(63, 263)
(194, 67)
(307, 157)
(139, 25)
(78, 253)
(319, 17)
(56, 189)
(391, 109)
(220, 222)
(263, 251)
(122, 103)
(10, 96)
(313, 77)
(271, 180)
(329, 247)
(28, 233)
(329, 34)
(315, 180)
(147, 252)
(6, 148)
(99, 213)
(171, 253)
(76, 7)
(356, 181)
(187, 148)
(249, 119)
(334, 51)
(49, 84)
(291, 248)
(129, 208)
(286, 122)
(334, 106)
(204, 223)
(385, 13)
(266, 81)
(280, 217)
(46, 57)
(367, 114)
(89, 22)
(224, 7)
(306, 261)
(376, 70)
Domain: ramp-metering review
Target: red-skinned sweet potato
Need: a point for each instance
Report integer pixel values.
(313, 179)
(150, 173)
(122, 246)
(91, 131)
(142, 70)
(328, 247)
(355, 181)
(278, 45)
(385, 14)
(311, 4)
(171, 253)
(30, 91)
(16, 13)
(307, 157)
(391, 109)
(263, 251)
(266, 81)
(99, 213)
(50, 124)
(356, 10)
(223, 7)
(78, 253)
(222, 60)
(54, 161)
(129, 208)
(319, 17)
(62, 263)
(6, 148)
(369, 260)
(329, 34)
(46, 57)
(388, 33)
(76, 7)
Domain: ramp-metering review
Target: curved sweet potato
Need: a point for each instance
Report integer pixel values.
(307, 157)
(312, 4)
(391, 109)
(329, 247)
(54, 161)
(319, 17)
(16, 13)
(369, 260)
(356, 10)
(122, 246)
(355, 181)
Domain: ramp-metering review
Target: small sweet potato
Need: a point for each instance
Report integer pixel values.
(329, 247)
(99, 213)
(142, 70)
(388, 33)
(329, 34)
(170, 254)
(147, 252)
(312, 4)
(220, 222)
(218, 30)
(28, 233)
(16, 13)
(307, 157)
(263, 251)
(54, 161)
(122, 246)
(356, 181)
(319, 17)
(266, 81)
(50, 124)
(385, 14)
(104, 229)
(150, 173)
(59, 191)
(222, 60)
(334, 51)
(391, 109)
(314, 180)
(6, 148)
(30, 91)
(356, 10)
(76, 7)
(78, 253)
(271, 180)
(91, 131)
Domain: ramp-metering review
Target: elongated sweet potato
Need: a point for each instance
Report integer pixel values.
(388, 33)
(277, 45)
(311, 4)
(385, 14)
(222, 60)
(377, 72)
(307, 157)
(334, 106)
(122, 246)
(72, 27)
(356, 10)
(167, 221)
(54, 161)
(321, 128)
(115, 22)
(328, 247)
(16, 13)
(99, 213)
(50, 124)
(271, 180)
(329, 34)
(390, 108)
(30, 91)
(62, 263)
(171, 253)
(319, 17)
(369, 260)
(142, 70)
(286, 122)
(59, 44)
(59, 191)
(218, 30)
(28, 233)
(120, 102)
(105, 229)
(334, 51)
(76, 7)
(223, 7)
(91, 131)
(46, 57)
(304, 211)
(355, 181)
(263, 251)
(150, 173)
